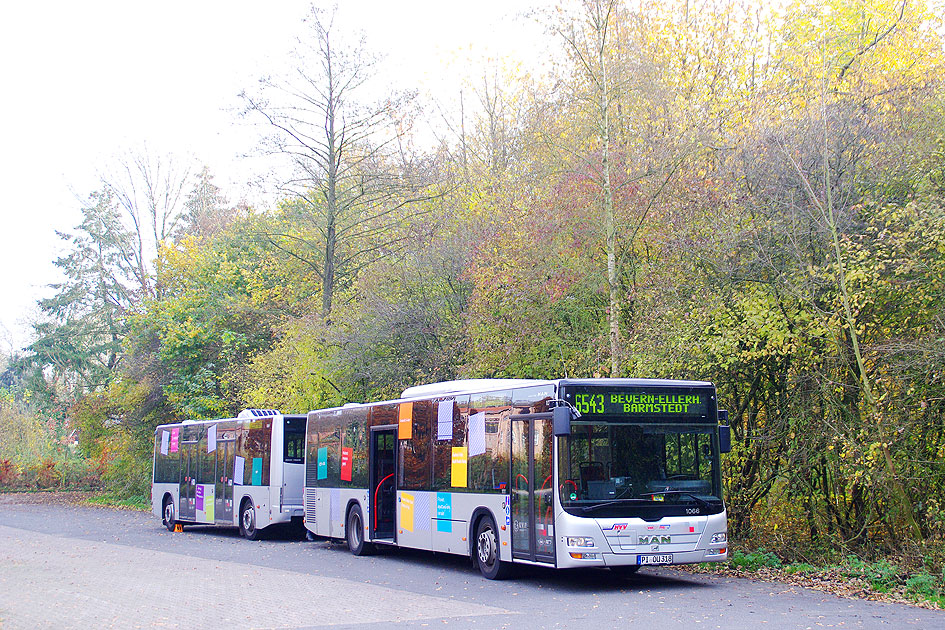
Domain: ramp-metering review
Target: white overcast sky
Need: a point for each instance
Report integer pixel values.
(86, 81)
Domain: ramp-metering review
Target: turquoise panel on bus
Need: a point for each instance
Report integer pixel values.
(257, 471)
(322, 471)
(444, 512)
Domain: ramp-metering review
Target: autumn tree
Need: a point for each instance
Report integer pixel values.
(805, 340)
(589, 40)
(636, 110)
(206, 211)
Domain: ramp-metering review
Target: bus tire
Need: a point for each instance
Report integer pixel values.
(354, 533)
(168, 517)
(487, 551)
(248, 529)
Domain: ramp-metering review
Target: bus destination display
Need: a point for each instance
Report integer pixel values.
(635, 402)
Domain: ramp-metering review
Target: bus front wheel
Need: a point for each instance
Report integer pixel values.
(487, 551)
(355, 534)
(248, 529)
(167, 512)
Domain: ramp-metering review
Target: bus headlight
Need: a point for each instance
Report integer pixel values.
(580, 541)
(720, 537)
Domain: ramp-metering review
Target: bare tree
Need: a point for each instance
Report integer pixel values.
(150, 191)
(353, 181)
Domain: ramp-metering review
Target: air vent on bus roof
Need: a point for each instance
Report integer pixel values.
(257, 413)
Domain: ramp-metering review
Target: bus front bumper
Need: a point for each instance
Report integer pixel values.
(597, 558)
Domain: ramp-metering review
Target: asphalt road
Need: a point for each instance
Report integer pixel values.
(65, 566)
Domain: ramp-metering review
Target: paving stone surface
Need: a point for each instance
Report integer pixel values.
(54, 582)
(69, 566)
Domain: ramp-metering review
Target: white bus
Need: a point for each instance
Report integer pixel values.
(617, 473)
(246, 471)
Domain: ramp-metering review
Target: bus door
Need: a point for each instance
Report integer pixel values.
(383, 495)
(188, 481)
(223, 509)
(532, 488)
(293, 460)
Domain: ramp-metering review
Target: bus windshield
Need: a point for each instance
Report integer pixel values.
(649, 471)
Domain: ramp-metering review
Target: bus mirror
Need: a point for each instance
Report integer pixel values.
(725, 438)
(561, 419)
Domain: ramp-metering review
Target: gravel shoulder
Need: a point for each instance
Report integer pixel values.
(45, 498)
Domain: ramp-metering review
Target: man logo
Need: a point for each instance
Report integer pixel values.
(655, 540)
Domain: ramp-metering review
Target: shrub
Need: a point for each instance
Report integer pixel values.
(46, 475)
(882, 575)
(923, 586)
(754, 560)
(9, 476)
(126, 472)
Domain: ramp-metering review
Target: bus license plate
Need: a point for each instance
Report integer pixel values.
(666, 558)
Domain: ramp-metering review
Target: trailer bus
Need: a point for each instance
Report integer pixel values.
(246, 471)
(617, 473)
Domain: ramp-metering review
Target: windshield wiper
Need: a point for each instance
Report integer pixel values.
(597, 506)
(702, 502)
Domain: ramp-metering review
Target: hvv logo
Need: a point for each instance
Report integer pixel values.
(616, 527)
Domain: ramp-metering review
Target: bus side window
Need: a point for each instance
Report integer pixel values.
(416, 452)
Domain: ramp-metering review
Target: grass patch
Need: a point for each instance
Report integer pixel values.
(115, 500)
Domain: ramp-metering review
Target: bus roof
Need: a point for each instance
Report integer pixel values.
(251, 416)
(472, 385)
(469, 385)
(633, 382)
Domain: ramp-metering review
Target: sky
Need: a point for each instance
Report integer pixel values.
(85, 83)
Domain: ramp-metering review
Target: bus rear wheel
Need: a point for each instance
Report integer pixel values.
(355, 534)
(167, 513)
(487, 551)
(248, 529)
